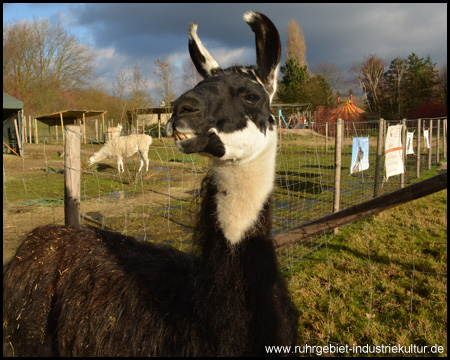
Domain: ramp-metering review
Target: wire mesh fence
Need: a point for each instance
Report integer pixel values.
(358, 287)
(306, 162)
(391, 292)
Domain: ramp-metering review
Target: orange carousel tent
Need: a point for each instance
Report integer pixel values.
(347, 112)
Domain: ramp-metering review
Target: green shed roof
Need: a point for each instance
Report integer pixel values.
(10, 102)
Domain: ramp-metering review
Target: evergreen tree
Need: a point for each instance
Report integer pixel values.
(318, 92)
(420, 78)
(292, 86)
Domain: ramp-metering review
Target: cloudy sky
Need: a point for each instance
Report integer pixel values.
(341, 34)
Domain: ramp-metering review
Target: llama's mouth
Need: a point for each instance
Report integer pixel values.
(182, 136)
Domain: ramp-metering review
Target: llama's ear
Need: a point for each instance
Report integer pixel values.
(203, 61)
(268, 49)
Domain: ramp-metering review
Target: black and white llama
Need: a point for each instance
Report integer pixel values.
(88, 292)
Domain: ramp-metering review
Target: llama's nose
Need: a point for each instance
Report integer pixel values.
(185, 110)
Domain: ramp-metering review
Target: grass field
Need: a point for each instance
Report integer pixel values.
(380, 281)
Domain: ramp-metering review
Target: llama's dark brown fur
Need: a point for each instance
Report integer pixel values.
(89, 292)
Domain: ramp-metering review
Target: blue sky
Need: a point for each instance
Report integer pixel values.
(340, 34)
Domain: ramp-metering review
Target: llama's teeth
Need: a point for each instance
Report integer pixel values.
(177, 135)
(182, 136)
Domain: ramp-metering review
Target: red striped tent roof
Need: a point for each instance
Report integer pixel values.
(347, 111)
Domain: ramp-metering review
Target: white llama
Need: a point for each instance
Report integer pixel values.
(123, 147)
(114, 132)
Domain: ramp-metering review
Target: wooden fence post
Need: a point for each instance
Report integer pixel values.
(430, 139)
(19, 145)
(326, 137)
(36, 140)
(84, 129)
(62, 125)
(72, 175)
(379, 158)
(444, 135)
(30, 133)
(159, 126)
(25, 132)
(438, 139)
(103, 128)
(418, 148)
(337, 168)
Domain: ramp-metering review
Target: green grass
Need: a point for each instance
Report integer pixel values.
(33, 186)
(379, 281)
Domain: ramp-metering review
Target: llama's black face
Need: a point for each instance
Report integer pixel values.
(208, 118)
(227, 115)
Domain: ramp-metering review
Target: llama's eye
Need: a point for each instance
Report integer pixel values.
(186, 110)
(251, 98)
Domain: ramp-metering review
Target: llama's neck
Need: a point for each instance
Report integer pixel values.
(102, 154)
(237, 263)
(242, 191)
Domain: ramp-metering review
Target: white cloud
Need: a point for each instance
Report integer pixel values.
(108, 63)
(229, 57)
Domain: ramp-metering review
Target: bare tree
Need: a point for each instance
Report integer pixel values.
(139, 97)
(18, 56)
(191, 77)
(357, 71)
(40, 59)
(295, 44)
(369, 74)
(120, 89)
(164, 83)
(332, 75)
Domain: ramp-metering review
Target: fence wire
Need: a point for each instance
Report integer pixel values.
(349, 287)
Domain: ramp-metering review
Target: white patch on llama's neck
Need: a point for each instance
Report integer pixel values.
(245, 180)
(243, 145)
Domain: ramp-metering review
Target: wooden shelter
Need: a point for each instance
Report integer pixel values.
(12, 125)
(52, 125)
